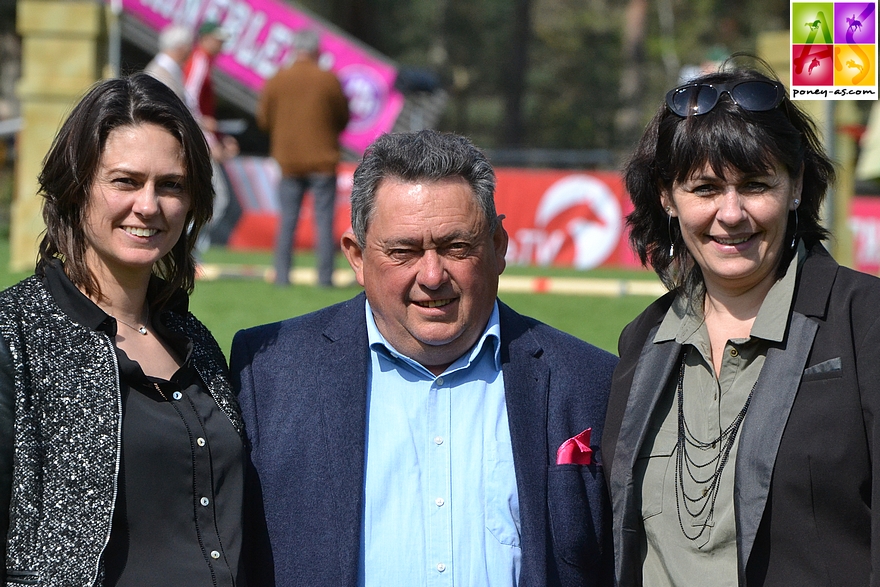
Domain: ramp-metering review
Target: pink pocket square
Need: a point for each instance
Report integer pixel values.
(576, 450)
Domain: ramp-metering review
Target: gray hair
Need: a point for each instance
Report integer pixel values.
(426, 155)
(306, 41)
(175, 36)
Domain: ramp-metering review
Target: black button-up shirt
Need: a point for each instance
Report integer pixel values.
(178, 513)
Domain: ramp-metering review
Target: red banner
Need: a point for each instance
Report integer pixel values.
(572, 219)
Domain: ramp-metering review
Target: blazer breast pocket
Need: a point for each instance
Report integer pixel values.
(653, 463)
(830, 369)
(575, 496)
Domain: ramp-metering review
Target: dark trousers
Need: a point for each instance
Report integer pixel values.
(290, 195)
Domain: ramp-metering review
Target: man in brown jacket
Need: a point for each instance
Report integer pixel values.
(304, 109)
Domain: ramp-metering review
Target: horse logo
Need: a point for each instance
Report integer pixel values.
(854, 23)
(853, 65)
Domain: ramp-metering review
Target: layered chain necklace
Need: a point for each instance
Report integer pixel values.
(705, 476)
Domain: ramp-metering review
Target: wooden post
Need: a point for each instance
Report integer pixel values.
(62, 56)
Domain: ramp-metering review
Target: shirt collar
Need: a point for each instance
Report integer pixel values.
(683, 318)
(490, 338)
(772, 318)
(73, 302)
(85, 312)
(166, 61)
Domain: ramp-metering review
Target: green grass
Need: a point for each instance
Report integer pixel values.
(228, 305)
(598, 320)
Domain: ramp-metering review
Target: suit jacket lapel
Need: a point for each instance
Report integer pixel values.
(526, 388)
(343, 369)
(655, 365)
(772, 400)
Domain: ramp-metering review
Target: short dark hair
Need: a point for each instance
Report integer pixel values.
(70, 167)
(415, 156)
(726, 138)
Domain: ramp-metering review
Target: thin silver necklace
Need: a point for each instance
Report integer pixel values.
(139, 329)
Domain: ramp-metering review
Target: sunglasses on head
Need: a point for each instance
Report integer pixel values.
(754, 96)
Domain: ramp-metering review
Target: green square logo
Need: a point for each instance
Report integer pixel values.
(812, 23)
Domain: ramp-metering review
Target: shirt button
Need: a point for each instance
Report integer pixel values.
(177, 395)
(438, 440)
(204, 501)
(215, 554)
(734, 353)
(439, 501)
(439, 381)
(441, 567)
(200, 441)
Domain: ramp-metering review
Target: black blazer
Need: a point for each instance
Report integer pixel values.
(303, 388)
(805, 472)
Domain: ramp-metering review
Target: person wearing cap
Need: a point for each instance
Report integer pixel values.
(197, 73)
(304, 109)
(200, 89)
(201, 99)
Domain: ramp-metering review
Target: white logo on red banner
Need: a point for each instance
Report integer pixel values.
(579, 214)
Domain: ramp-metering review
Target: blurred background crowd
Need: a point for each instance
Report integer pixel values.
(538, 84)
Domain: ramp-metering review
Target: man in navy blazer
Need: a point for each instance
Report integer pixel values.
(423, 432)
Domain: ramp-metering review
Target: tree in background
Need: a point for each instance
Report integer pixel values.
(560, 74)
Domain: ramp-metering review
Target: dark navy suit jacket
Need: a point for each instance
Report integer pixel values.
(302, 387)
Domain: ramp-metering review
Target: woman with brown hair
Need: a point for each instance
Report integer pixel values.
(122, 454)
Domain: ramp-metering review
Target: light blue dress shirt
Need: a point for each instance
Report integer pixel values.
(441, 506)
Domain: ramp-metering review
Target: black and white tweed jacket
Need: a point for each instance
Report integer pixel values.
(60, 435)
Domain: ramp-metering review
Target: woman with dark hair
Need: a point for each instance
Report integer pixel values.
(743, 416)
(122, 455)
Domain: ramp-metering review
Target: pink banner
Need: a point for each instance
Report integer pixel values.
(864, 224)
(262, 33)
